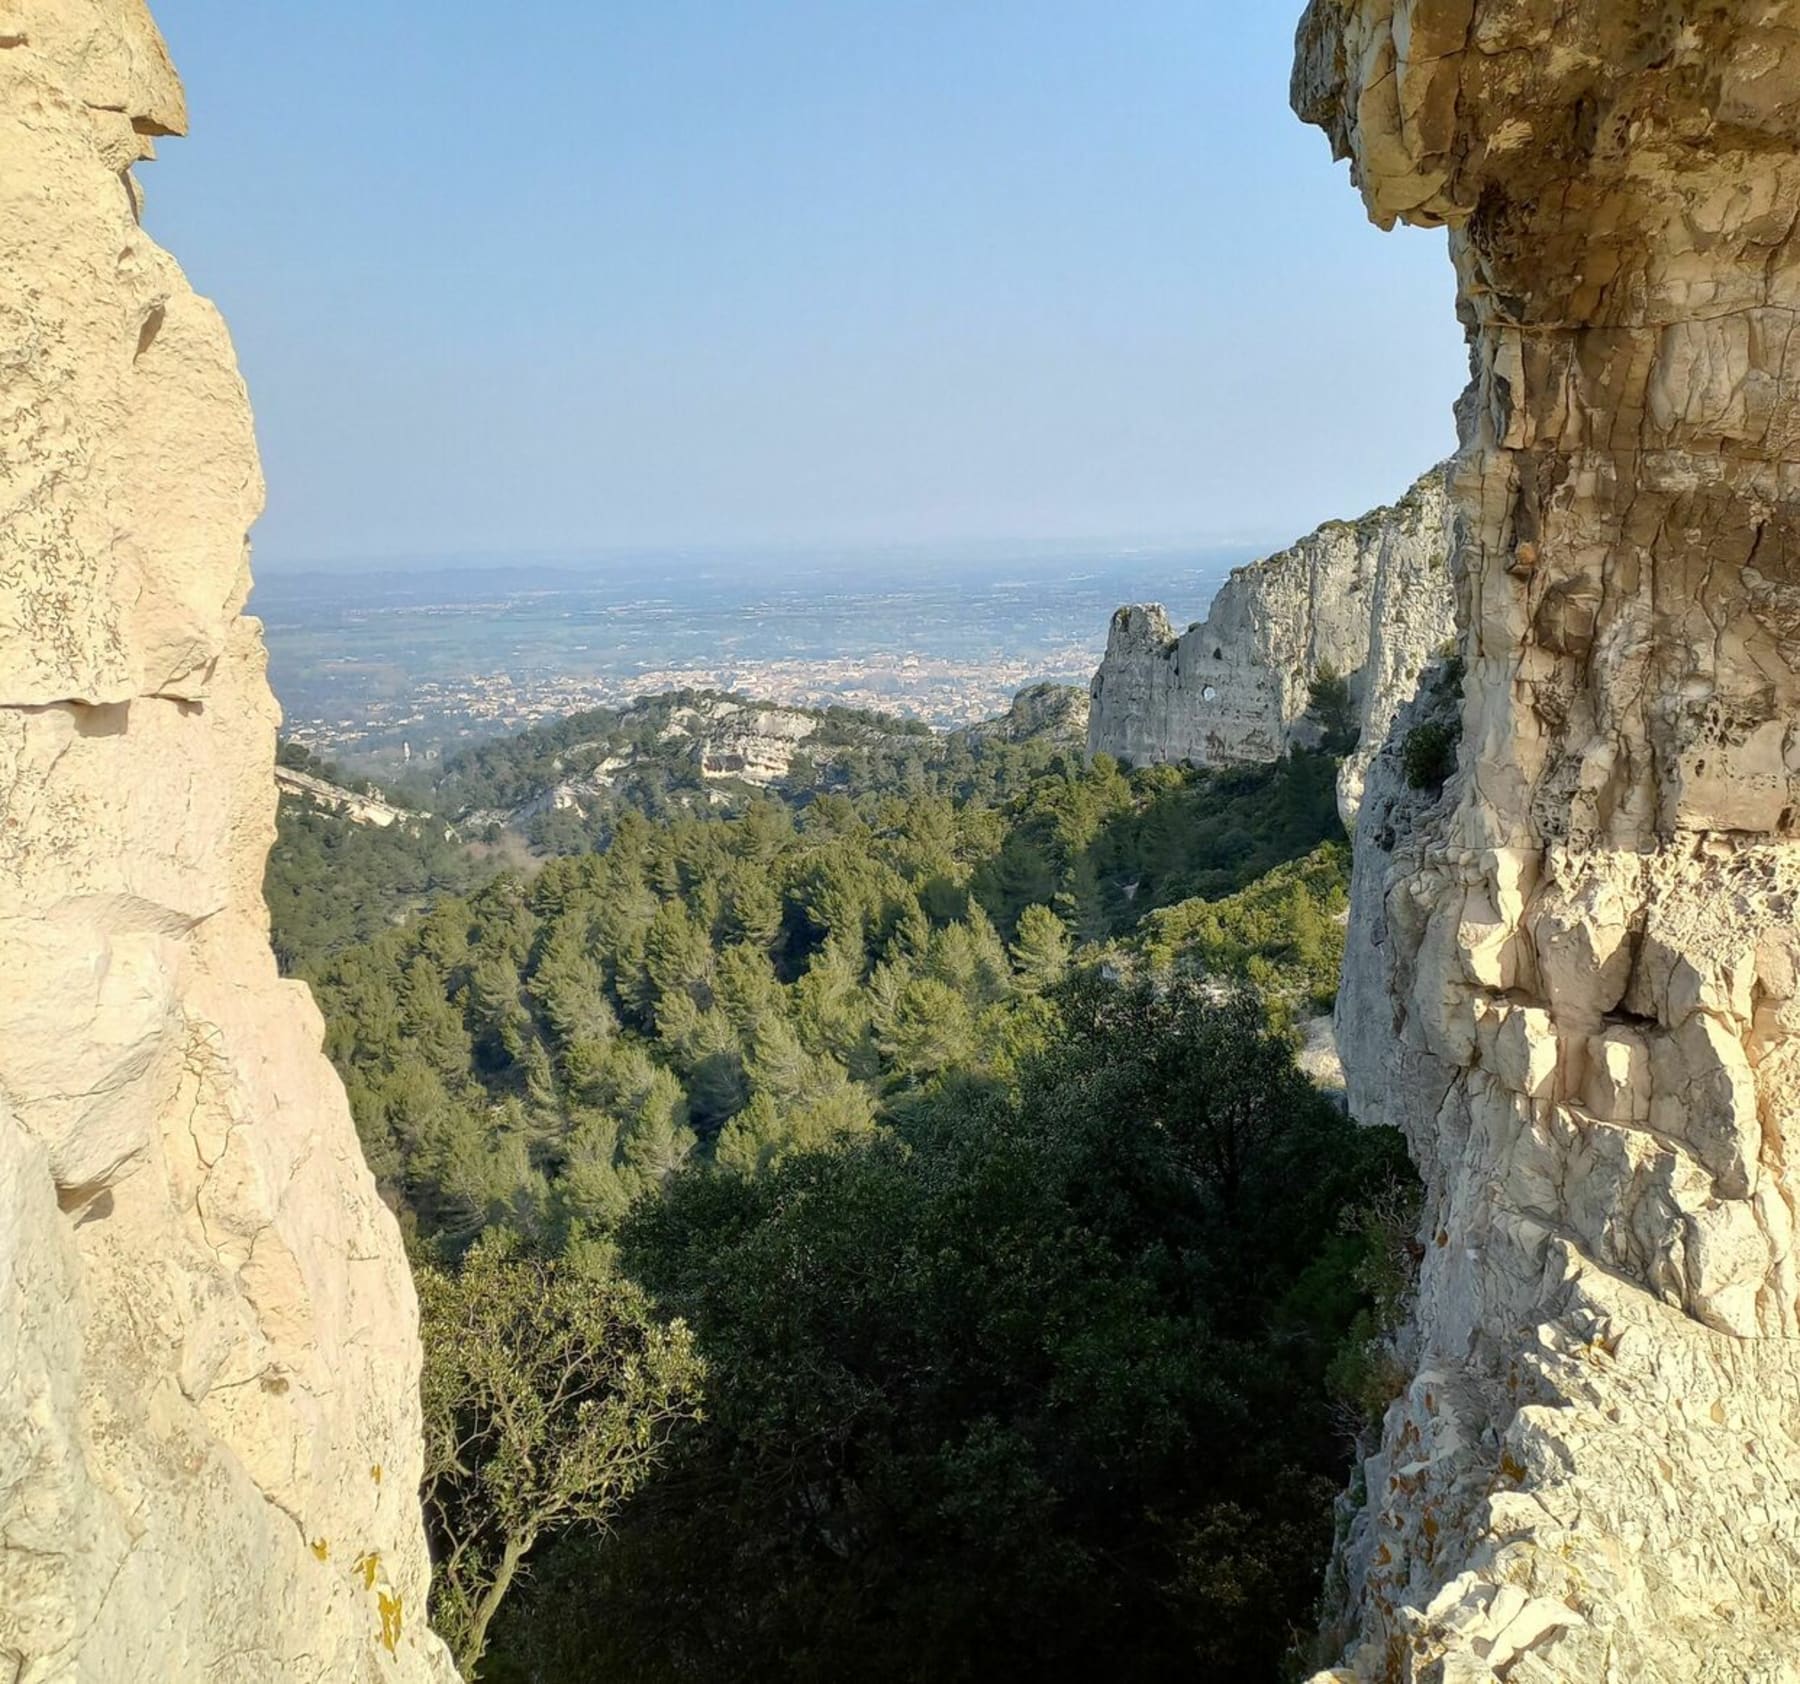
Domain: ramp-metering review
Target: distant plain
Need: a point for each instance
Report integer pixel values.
(364, 662)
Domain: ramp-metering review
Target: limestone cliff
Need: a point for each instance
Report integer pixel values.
(209, 1432)
(756, 745)
(1574, 974)
(357, 808)
(1368, 599)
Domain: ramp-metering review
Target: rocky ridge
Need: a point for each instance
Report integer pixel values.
(1573, 977)
(1057, 712)
(1368, 600)
(756, 745)
(358, 809)
(208, 1346)
(738, 745)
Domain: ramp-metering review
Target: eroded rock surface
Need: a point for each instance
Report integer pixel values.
(209, 1432)
(1574, 975)
(1368, 600)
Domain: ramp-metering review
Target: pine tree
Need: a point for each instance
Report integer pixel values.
(1040, 951)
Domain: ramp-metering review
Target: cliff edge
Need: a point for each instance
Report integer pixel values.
(208, 1350)
(1573, 976)
(1367, 600)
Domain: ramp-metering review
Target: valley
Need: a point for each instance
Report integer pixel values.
(693, 1023)
(706, 1118)
(375, 669)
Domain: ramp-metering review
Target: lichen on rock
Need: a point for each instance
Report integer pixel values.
(207, 1330)
(1572, 971)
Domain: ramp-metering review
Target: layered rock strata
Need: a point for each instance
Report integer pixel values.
(209, 1428)
(1574, 973)
(1368, 600)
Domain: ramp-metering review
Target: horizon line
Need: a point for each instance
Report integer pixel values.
(945, 551)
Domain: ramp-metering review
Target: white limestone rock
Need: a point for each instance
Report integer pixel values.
(1055, 713)
(755, 745)
(364, 809)
(1570, 977)
(208, 1345)
(1369, 600)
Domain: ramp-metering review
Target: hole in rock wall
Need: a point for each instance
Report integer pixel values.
(93, 1200)
(100, 719)
(152, 326)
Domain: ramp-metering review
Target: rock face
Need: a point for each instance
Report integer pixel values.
(1369, 600)
(358, 809)
(209, 1431)
(1040, 712)
(1574, 975)
(756, 745)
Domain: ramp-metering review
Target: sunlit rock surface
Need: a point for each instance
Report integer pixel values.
(1574, 973)
(209, 1429)
(1368, 600)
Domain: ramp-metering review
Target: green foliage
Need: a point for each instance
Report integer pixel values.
(1041, 950)
(1019, 821)
(1330, 708)
(1429, 754)
(550, 1393)
(1022, 1292)
(1380, 1245)
(995, 1396)
(1283, 934)
(331, 883)
(1103, 848)
(540, 1054)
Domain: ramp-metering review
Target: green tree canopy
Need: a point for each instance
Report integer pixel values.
(1033, 1388)
(550, 1393)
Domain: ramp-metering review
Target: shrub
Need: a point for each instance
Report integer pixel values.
(1329, 706)
(1429, 754)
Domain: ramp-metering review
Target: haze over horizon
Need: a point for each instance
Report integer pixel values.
(1000, 557)
(590, 281)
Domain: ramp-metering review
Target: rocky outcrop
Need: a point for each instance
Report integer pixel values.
(209, 1426)
(1574, 973)
(358, 809)
(755, 745)
(1055, 713)
(1367, 600)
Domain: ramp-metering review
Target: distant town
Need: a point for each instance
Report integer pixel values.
(376, 673)
(441, 714)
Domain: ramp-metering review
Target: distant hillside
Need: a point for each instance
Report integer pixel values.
(694, 751)
(351, 860)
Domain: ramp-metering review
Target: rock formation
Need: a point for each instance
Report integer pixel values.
(1043, 712)
(1574, 976)
(357, 808)
(755, 745)
(209, 1428)
(1368, 600)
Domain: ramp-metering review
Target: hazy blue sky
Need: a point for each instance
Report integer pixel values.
(565, 277)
